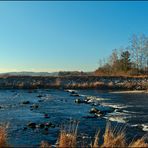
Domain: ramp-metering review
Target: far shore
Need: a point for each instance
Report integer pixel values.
(139, 85)
(130, 91)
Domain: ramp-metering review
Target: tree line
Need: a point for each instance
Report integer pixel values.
(131, 60)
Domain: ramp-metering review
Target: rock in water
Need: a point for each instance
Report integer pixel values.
(46, 116)
(78, 100)
(73, 92)
(32, 125)
(48, 124)
(25, 128)
(25, 102)
(34, 106)
(94, 110)
(97, 112)
(41, 125)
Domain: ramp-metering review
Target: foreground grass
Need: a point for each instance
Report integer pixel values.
(111, 138)
(68, 138)
(3, 137)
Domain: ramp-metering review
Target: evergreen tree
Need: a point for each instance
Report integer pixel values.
(125, 61)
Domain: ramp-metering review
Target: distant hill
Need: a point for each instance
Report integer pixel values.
(74, 73)
(24, 73)
(60, 73)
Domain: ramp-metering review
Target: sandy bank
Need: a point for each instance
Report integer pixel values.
(131, 91)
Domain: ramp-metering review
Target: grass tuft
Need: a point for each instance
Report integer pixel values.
(3, 137)
(68, 136)
(45, 144)
(96, 140)
(139, 143)
(111, 138)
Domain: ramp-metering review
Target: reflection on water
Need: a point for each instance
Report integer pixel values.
(58, 107)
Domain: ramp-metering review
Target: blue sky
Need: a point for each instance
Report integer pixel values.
(53, 36)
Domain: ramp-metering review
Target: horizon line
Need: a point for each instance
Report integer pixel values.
(44, 71)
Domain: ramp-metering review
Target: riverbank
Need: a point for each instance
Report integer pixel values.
(130, 91)
(76, 82)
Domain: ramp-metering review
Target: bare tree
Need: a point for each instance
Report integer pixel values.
(142, 47)
(114, 56)
(133, 47)
(100, 63)
(146, 56)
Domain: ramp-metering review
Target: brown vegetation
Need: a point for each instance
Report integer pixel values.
(129, 61)
(68, 138)
(3, 137)
(111, 138)
(45, 144)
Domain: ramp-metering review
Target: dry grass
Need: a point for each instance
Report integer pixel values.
(96, 141)
(45, 144)
(68, 136)
(111, 138)
(3, 137)
(139, 143)
(67, 139)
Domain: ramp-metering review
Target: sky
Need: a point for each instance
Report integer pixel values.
(53, 36)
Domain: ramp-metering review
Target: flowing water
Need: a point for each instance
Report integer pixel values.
(130, 111)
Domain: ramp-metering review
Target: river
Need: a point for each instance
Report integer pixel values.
(59, 107)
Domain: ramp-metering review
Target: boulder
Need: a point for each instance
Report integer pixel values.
(34, 106)
(41, 125)
(32, 125)
(25, 128)
(73, 92)
(79, 101)
(97, 112)
(86, 102)
(48, 124)
(86, 99)
(46, 116)
(90, 117)
(100, 113)
(25, 102)
(94, 110)
(39, 96)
